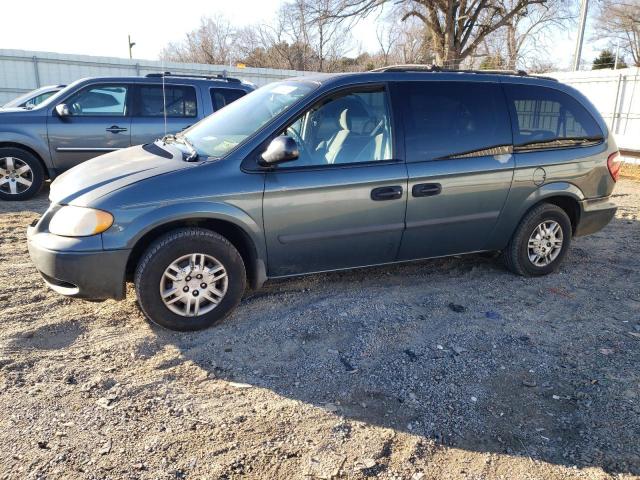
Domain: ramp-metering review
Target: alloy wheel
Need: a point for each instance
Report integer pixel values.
(193, 284)
(16, 175)
(545, 243)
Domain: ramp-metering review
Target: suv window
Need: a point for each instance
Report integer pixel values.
(99, 100)
(180, 101)
(38, 99)
(452, 119)
(548, 118)
(221, 97)
(350, 128)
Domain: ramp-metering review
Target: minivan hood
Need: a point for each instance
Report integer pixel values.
(104, 174)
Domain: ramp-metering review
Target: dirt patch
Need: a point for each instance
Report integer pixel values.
(451, 368)
(630, 170)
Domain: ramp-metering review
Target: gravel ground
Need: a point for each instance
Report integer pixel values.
(449, 368)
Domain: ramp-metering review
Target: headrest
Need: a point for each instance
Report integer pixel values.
(345, 119)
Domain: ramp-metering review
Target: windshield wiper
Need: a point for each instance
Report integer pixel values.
(193, 153)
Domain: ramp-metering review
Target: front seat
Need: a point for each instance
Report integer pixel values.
(336, 142)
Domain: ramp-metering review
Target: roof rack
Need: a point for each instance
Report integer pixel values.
(188, 75)
(437, 69)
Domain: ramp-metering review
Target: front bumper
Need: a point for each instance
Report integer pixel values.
(93, 274)
(595, 214)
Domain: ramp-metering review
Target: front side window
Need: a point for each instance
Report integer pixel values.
(221, 97)
(222, 131)
(99, 100)
(545, 117)
(180, 101)
(446, 120)
(349, 128)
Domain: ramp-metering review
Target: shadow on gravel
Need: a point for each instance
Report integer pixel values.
(455, 350)
(48, 337)
(38, 204)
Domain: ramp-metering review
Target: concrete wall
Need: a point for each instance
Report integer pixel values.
(22, 71)
(616, 94)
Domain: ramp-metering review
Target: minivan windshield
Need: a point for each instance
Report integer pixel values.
(217, 134)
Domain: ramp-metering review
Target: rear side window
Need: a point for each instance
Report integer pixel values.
(548, 118)
(180, 101)
(221, 97)
(444, 120)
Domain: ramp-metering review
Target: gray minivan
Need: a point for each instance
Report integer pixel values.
(97, 115)
(327, 173)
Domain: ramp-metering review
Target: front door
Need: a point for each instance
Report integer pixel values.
(342, 203)
(99, 122)
(459, 161)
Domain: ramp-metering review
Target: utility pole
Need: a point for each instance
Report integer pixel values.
(584, 7)
(615, 62)
(131, 44)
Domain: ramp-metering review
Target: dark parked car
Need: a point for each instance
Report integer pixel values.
(327, 173)
(97, 115)
(34, 97)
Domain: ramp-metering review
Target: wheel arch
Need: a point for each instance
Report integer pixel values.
(238, 236)
(49, 172)
(565, 195)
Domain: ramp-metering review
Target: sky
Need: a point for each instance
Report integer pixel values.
(101, 28)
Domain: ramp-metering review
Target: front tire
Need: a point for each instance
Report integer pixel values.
(189, 279)
(540, 242)
(21, 174)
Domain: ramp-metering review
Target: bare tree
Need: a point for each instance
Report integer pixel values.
(456, 28)
(619, 20)
(526, 36)
(214, 42)
(303, 36)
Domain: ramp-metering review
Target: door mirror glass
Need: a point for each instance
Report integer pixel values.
(281, 149)
(63, 110)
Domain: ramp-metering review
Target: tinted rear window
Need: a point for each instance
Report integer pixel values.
(450, 119)
(180, 101)
(542, 115)
(221, 97)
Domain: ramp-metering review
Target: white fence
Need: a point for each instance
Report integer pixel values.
(616, 94)
(22, 71)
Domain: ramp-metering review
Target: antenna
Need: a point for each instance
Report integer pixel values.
(164, 102)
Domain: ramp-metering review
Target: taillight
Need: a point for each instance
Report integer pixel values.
(613, 164)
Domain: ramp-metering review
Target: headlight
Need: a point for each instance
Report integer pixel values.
(72, 221)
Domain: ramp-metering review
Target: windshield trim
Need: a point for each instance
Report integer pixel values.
(292, 108)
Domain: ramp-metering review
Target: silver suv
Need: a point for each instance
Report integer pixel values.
(97, 115)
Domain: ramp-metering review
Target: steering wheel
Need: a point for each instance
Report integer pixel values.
(305, 157)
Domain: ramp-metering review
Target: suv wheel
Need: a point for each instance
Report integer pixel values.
(190, 279)
(540, 242)
(21, 174)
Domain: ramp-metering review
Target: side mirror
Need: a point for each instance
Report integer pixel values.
(281, 149)
(63, 110)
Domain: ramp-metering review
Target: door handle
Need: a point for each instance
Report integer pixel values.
(386, 193)
(426, 189)
(116, 129)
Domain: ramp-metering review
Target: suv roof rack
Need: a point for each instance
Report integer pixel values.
(437, 69)
(188, 75)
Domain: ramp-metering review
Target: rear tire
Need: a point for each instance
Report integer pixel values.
(540, 242)
(189, 279)
(21, 174)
